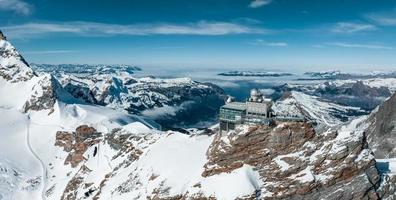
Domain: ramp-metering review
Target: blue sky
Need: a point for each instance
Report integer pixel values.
(325, 34)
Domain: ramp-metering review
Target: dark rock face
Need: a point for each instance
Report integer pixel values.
(381, 129)
(2, 37)
(81, 92)
(294, 162)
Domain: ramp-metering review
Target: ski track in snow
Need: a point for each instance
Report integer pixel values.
(44, 169)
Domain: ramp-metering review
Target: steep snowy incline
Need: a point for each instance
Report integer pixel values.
(13, 67)
(298, 104)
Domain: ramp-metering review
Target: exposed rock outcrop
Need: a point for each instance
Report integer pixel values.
(76, 143)
(387, 188)
(43, 94)
(125, 149)
(381, 131)
(294, 162)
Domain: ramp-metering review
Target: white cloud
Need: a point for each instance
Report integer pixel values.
(259, 3)
(261, 42)
(51, 52)
(102, 29)
(225, 84)
(348, 27)
(388, 19)
(17, 6)
(277, 44)
(354, 45)
(166, 111)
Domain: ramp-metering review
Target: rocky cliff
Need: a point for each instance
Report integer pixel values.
(295, 162)
(381, 131)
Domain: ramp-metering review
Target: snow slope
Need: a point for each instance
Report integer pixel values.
(298, 104)
(28, 136)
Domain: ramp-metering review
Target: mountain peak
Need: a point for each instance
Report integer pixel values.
(13, 66)
(2, 37)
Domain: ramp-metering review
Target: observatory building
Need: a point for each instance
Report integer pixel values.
(256, 109)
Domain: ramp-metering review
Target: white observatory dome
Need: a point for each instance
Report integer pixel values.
(254, 92)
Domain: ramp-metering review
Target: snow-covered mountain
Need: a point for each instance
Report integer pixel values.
(255, 73)
(13, 67)
(168, 101)
(33, 108)
(298, 104)
(57, 146)
(338, 75)
(84, 69)
(364, 93)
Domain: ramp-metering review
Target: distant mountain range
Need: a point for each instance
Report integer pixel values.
(334, 75)
(166, 100)
(84, 69)
(251, 73)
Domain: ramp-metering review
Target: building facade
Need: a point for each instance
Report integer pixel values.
(256, 109)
